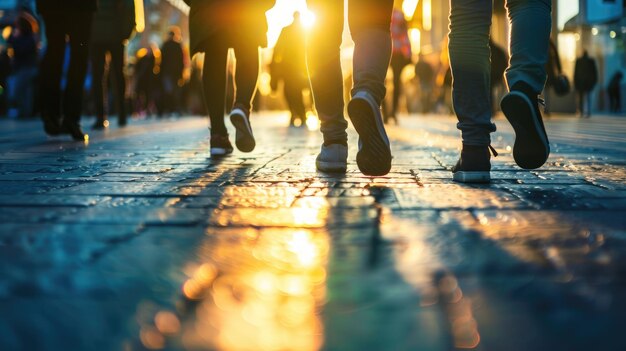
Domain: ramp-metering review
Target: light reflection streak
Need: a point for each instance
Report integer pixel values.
(253, 289)
(270, 297)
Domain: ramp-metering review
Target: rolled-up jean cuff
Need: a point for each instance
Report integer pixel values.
(334, 130)
(476, 135)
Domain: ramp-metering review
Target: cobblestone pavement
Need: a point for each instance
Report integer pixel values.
(138, 240)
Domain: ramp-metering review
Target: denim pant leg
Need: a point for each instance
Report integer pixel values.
(470, 21)
(324, 66)
(370, 22)
(531, 23)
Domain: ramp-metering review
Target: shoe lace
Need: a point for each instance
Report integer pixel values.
(541, 101)
(493, 151)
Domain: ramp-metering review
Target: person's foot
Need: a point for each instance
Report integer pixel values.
(244, 139)
(74, 130)
(333, 158)
(100, 124)
(51, 126)
(374, 156)
(122, 121)
(220, 145)
(473, 166)
(521, 108)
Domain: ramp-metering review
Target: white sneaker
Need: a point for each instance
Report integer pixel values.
(244, 139)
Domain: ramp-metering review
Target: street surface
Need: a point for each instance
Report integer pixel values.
(138, 240)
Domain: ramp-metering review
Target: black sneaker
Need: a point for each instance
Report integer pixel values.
(220, 145)
(374, 156)
(122, 121)
(100, 124)
(473, 166)
(51, 125)
(74, 130)
(521, 108)
(244, 139)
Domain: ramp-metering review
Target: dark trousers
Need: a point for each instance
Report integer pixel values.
(584, 103)
(100, 75)
(615, 98)
(369, 22)
(214, 78)
(76, 26)
(398, 62)
(293, 94)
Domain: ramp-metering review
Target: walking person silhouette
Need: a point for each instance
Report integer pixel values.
(369, 22)
(71, 19)
(470, 22)
(215, 26)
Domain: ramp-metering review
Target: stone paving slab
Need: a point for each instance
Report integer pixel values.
(139, 240)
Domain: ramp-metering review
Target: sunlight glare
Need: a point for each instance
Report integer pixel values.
(408, 7)
(281, 15)
(312, 122)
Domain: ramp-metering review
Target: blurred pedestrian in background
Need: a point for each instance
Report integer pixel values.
(557, 81)
(470, 24)
(146, 79)
(400, 56)
(23, 44)
(112, 26)
(289, 65)
(585, 79)
(614, 90)
(63, 19)
(425, 75)
(5, 71)
(369, 22)
(171, 71)
(215, 26)
(443, 82)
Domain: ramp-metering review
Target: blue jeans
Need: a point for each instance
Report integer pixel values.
(369, 22)
(470, 22)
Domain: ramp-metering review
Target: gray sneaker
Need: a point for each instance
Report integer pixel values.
(374, 156)
(333, 158)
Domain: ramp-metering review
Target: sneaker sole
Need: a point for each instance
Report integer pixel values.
(243, 137)
(218, 151)
(331, 167)
(374, 157)
(531, 148)
(471, 177)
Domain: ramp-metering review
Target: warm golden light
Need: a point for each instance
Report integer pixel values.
(415, 37)
(427, 19)
(281, 15)
(308, 19)
(6, 32)
(408, 7)
(312, 122)
(140, 22)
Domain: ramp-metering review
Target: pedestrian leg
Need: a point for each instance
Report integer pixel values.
(324, 67)
(98, 62)
(397, 65)
(370, 22)
(79, 34)
(246, 77)
(51, 70)
(117, 73)
(531, 23)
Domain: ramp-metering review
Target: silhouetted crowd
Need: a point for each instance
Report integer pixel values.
(69, 58)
